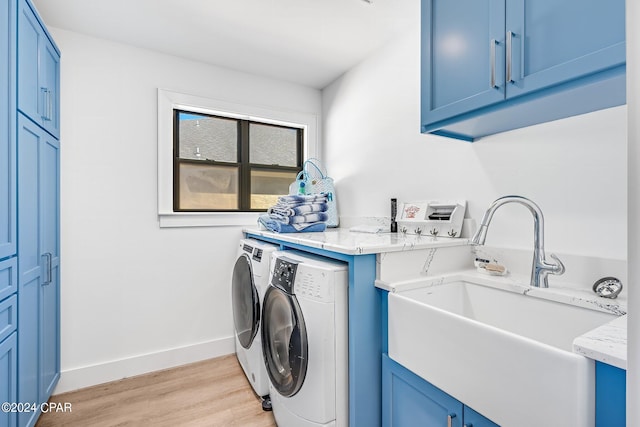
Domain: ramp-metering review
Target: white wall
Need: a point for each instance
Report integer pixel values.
(135, 297)
(575, 169)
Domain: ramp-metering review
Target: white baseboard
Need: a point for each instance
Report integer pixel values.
(87, 376)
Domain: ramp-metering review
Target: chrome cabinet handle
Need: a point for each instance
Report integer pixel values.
(450, 418)
(492, 54)
(47, 104)
(49, 276)
(509, 55)
(49, 97)
(42, 104)
(50, 105)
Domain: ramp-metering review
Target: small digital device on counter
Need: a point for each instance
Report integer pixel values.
(432, 218)
(394, 213)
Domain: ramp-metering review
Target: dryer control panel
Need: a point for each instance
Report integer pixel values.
(284, 274)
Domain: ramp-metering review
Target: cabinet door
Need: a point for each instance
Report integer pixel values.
(50, 87)
(7, 126)
(554, 41)
(30, 38)
(38, 68)
(30, 267)
(38, 262)
(8, 374)
(462, 56)
(50, 290)
(409, 401)
(611, 387)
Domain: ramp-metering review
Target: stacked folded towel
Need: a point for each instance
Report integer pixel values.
(297, 213)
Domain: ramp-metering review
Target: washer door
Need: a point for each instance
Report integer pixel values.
(284, 341)
(246, 305)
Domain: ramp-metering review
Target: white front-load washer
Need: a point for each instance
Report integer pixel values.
(305, 340)
(249, 282)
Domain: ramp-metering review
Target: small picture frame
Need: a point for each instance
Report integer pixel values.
(414, 211)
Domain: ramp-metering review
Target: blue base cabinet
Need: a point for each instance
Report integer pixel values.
(408, 401)
(495, 65)
(611, 384)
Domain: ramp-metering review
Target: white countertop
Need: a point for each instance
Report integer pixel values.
(344, 241)
(607, 344)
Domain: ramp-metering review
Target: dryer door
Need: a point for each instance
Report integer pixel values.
(246, 305)
(284, 341)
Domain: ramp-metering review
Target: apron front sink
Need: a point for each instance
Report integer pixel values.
(505, 354)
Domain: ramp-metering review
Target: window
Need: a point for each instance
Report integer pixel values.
(263, 174)
(229, 164)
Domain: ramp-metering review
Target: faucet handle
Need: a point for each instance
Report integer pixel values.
(558, 268)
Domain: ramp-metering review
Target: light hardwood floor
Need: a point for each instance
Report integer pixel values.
(212, 393)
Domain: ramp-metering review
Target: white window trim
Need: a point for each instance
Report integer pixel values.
(167, 102)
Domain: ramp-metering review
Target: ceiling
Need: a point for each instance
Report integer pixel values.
(308, 42)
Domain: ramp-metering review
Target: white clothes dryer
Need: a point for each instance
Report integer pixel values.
(305, 340)
(249, 282)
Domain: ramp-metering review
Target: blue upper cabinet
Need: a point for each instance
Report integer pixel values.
(38, 72)
(7, 134)
(460, 50)
(495, 65)
(553, 41)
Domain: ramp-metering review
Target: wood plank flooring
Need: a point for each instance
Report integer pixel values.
(211, 393)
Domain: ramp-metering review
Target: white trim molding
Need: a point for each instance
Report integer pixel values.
(87, 376)
(170, 100)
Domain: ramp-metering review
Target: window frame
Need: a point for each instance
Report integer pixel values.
(243, 162)
(168, 101)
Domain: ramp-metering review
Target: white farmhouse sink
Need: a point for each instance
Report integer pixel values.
(506, 355)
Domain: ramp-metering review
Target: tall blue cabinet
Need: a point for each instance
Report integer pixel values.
(29, 212)
(8, 212)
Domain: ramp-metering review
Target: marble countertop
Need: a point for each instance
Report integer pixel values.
(607, 344)
(345, 241)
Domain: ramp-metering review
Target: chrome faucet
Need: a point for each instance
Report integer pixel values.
(540, 268)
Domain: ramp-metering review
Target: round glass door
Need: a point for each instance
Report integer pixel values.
(246, 306)
(284, 341)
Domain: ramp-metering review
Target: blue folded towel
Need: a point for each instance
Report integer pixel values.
(281, 227)
(308, 218)
(299, 219)
(303, 208)
(302, 198)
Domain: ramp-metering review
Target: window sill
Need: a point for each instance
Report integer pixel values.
(207, 219)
